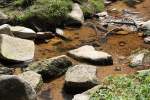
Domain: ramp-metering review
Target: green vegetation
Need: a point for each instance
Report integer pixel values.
(92, 6)
(136, 87)
(49, 12)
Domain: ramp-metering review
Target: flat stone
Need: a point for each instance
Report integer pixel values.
(16, 49)
(89, 54)
(23, 32)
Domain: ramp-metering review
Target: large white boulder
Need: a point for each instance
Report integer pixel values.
(16, 49)
(23, 32)
(14, 88)
(89, 54)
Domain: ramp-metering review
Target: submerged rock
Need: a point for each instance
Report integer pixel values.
(89, 54)
(80, 78)
(51, 67)
(16, 49)
(34, 79)
(23, 32)
(15, 88)
(76, 16)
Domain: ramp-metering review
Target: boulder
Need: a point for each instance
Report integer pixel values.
(76, 16)
(51, 67)
(34, 79)
(23, 32)
(140, 58)
(80, 78)
(15, 88)
(147, 39)
(5, 29)
(89, 54)
(3, 18)
(16, 49)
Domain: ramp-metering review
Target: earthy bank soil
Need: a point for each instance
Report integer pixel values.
(119, 46)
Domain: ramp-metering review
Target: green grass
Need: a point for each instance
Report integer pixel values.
(136, 87)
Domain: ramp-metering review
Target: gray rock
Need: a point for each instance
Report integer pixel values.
(80, 78)
(147, 39)
(16, 49)
(76, 15)
(23, 32)
(89, 54)
(15, 88)
(140, 58)
(3, 17)
(34, 79)
(51, 67)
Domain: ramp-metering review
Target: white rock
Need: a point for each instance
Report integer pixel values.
(80, 78)
(147, 39)
(89, 54)
(76, 13)
(23, 32)
(34, 79)
(81, 97)
(16, 49)
(59, 31)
